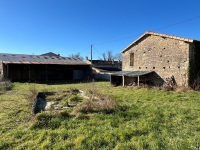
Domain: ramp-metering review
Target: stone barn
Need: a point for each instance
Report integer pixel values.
(155, 57)
(20, 67)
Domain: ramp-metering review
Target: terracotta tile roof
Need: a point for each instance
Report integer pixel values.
(37, 59)
(158, 34)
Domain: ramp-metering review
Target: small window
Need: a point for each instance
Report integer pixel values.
(131, 59)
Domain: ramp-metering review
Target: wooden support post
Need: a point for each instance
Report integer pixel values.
(46, 74)
(7, 70)
(123, 80)
(138, 81)
(29, 74)
(91, 54)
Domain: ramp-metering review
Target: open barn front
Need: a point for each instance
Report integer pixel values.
(116, 80)
(51, 67)
(44, 72)
(131, 78)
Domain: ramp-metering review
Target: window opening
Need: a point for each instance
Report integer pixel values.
(131, 59)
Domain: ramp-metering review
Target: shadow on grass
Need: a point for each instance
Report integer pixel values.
(61, 82)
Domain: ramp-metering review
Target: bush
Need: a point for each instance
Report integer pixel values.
(5, 84)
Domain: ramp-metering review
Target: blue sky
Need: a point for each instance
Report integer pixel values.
(71, 26)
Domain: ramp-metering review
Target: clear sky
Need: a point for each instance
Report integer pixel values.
(71, 26)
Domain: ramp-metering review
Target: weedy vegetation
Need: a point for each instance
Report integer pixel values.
(104, 117)
(5, 84)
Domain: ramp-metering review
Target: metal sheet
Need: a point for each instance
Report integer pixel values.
(131, 73)
(107, 68)
(36, 59)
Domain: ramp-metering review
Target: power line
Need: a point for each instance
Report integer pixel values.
(178, 23)
(153, 30)
(96, 49)
(84, 49)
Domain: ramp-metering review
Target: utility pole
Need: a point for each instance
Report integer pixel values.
(91, 54)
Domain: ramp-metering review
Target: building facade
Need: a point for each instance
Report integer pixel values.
(20, 67)
(166, 55)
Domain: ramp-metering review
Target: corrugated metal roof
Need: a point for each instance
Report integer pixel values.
(36, 59)
(107, 69)
(131, 73)
(158, 34)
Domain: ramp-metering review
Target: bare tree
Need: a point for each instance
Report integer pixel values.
(104, 56)
(118, 57)
(108, 56)
(76, 56)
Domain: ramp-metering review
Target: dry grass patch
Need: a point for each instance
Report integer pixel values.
(106, 105)
(96, 101)
(182, 89)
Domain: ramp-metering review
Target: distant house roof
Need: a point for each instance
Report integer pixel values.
(157, 34)
(37, 59)
(50, 54)
(104, 62)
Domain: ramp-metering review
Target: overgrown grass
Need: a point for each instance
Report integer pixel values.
(144, 119)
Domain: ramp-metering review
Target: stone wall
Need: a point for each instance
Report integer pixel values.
(167, 57)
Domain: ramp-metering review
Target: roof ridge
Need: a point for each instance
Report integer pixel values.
(158, 34)
(168, 35)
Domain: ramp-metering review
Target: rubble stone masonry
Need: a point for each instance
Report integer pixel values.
(166, 56)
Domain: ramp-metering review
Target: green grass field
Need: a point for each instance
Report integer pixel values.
(144, 119)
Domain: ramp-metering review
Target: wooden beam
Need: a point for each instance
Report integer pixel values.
(123, 80)
(46, 74)
(7, 70)
(29, 73)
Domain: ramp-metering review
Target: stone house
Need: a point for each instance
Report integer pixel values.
(155, 57)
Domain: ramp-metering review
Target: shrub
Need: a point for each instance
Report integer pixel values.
(5, 84)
